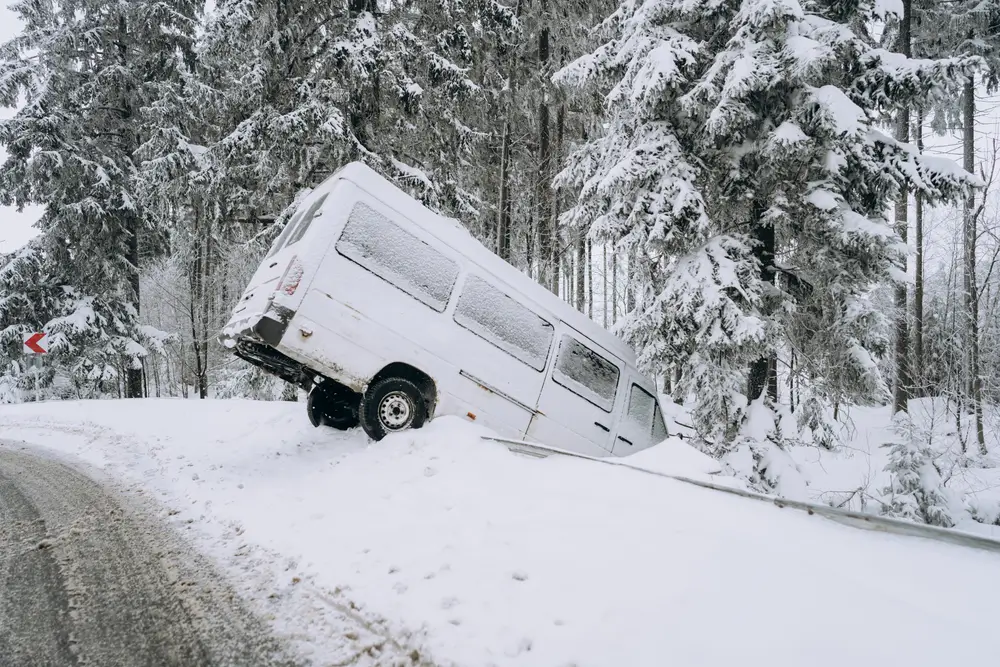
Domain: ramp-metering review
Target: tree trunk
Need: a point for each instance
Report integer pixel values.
(759, 376)
(206, 284)
(555, 199)
(193, 313)
(772, 376)
(133, 376)
(791, 381)
(918, 287)
(581, 270)
(504, 214)
(629, 288)
(503, 218)
(130, 219)
(614, 287)
(548, 271)
(156, 377)
(975, 382)
(604, 292)
(590, 278)
(902, 392)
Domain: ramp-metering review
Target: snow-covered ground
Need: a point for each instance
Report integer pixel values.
(854, 475)
(471, 555)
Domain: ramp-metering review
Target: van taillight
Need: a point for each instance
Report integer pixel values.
(290, 278)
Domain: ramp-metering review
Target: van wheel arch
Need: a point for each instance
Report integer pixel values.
(423, 381)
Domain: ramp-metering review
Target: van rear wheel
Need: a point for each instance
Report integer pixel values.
(333, 406)
(390, 405)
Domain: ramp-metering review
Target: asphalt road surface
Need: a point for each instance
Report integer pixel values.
(89, 579)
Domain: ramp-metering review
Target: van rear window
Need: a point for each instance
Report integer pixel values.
(586, 373)
(513, 327)
(396, 256)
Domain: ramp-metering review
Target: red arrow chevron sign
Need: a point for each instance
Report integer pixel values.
(35, 344)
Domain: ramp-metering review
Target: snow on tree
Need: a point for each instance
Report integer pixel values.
(744, 163)
(285, 94)
(916, 489)
(84, 72)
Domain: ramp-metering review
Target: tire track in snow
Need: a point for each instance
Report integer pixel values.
(83, 585)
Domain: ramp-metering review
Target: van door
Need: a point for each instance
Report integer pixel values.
(641, 424)
(576, 409)
(502, 347)
(285, 259)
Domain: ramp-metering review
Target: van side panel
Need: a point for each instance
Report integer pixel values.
(352, 323)
(347, 320)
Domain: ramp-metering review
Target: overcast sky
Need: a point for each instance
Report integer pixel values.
(15, 228)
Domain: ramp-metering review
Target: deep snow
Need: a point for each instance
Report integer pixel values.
(475, 556)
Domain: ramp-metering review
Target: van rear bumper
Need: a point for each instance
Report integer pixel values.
(267, 328)
(255, 338)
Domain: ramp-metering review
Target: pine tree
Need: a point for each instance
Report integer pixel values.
(288, 92)
(916, 489)
(744, 164)
(85, 72)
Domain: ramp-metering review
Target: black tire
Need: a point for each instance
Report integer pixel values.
(390, 405)
(332, 405)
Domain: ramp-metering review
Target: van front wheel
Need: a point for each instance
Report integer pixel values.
(390, 405)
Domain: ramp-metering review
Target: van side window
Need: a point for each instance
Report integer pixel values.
(396, 256)
(585, 372)
(306, 220)
(513, 327)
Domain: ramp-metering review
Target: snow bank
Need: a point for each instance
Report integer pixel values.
(674, 457)
(476, 556)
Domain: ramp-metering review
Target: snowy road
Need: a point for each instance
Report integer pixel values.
(437, 548)
(87, 580)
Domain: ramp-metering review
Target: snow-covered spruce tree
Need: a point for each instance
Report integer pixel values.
(87, 341)
(287, 92)
(744, 164)
(84, 71)
(916, 489)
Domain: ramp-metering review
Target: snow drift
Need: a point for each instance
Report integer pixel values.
(474, 556)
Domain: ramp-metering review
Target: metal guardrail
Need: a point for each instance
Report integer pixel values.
(847, 517)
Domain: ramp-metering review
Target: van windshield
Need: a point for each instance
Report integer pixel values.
(289, 226)
(297, 226)
(659, 428)
(306, 220)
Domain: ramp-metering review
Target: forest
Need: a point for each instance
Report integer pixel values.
(787, 207)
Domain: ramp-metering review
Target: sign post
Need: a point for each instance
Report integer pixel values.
(35, 345)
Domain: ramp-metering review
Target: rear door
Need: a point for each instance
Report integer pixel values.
(284, 256)
(576, 409)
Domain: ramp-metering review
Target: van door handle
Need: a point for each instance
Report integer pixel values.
(625, 440)
(599, 424)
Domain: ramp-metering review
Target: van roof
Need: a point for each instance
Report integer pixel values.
(450, 232)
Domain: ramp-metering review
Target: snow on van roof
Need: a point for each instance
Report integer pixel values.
(452, 233)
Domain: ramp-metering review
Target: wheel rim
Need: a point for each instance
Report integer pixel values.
(395, 411)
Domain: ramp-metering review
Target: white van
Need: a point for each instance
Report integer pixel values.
(389, 314)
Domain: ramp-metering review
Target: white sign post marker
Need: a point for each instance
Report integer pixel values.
(35, 344)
